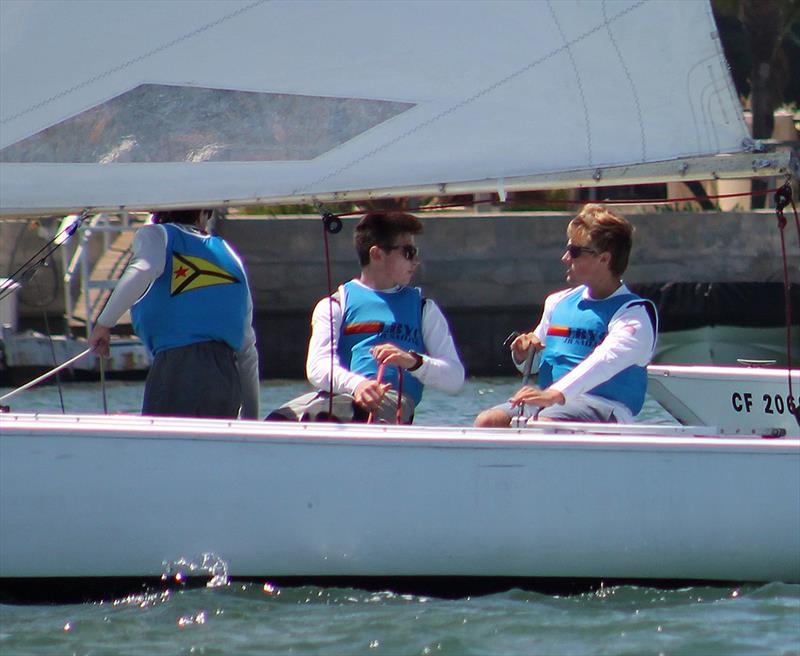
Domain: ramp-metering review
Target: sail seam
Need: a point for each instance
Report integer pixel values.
(467, 101)
(699, 130)
(578, 81)
(709, 93)
(716, 96)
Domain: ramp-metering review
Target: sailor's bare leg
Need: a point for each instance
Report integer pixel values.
(493, 418)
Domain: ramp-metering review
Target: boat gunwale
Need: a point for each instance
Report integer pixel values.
(211, 430)
(721, 373)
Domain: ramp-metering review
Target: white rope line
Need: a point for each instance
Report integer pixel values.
(45, 376)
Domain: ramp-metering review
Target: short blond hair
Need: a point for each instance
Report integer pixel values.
(606, 232)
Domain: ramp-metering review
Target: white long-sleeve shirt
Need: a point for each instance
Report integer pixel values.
(147, 263)
(441, 367)
(631, 340)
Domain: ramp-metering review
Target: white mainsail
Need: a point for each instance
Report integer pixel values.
(144, 104)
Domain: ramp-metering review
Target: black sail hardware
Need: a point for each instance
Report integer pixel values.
(782, 198)
(332, 223)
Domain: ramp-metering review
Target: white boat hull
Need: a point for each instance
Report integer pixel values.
(733, 399)
(89, 496)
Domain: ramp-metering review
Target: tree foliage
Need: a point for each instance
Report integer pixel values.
(761, 41)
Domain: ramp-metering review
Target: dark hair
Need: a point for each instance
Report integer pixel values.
(382, 229)
(186, 217)
(607, 232)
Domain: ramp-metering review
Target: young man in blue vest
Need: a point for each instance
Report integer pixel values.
(596, 338)
(191, 306)
(374, 323)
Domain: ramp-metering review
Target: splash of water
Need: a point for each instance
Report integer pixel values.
(209, 564)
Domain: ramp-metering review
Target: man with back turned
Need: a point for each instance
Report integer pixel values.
(191, 306)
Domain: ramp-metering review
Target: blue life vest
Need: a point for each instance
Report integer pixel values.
(372, 317)
(201, 296)
(577, 326)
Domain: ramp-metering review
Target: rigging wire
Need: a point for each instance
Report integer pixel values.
(20, 248)
(25, 273)
(26, 270)
(331, 224)
(783, 198)
(53, 353)
(102, 362)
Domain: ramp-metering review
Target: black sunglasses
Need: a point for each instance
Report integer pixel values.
(409, 251)
(576, 251)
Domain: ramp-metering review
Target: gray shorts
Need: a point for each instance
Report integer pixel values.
(197, 380)
(581, 409)
(317, 406)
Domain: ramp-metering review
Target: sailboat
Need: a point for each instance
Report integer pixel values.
(138, 106)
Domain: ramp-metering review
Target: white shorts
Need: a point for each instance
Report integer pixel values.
(584, 408)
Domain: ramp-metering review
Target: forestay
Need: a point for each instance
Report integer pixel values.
(147, 104)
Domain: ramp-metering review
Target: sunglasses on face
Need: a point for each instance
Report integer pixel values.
(576, 251)
(409, 252)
